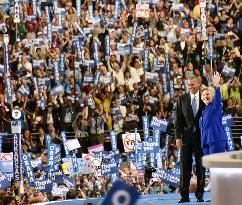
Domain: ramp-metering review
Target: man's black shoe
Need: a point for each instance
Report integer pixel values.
(184, 200)
(200, 200)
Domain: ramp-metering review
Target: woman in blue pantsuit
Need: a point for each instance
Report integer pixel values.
(213, 138)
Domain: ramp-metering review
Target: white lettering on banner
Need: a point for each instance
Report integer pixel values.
(229, 139)
(203, 18)
(39, 185)
(121, 194)
(146, 129)
(164, 83)
(157, 123)
(113, 140)
(16, 18)
(59, 191)
(226, 118)
(16, 157)
(78, 8)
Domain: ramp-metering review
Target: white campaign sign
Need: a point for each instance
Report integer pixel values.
(142, 10)
(129, 140)
(73, 144)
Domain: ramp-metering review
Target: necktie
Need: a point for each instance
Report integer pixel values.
(194, 106)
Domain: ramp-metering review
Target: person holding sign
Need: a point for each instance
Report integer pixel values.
(187, 113)
(213, 137)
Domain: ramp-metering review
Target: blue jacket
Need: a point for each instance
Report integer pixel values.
(210, 122)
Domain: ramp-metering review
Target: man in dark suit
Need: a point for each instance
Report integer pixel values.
(187, 133)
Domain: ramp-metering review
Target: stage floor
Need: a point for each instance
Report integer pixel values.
(171, 199)
(165, 199)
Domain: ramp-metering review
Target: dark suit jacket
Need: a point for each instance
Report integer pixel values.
(184, 121)
(55, 118)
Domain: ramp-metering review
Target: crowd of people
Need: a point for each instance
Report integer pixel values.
(98, 67)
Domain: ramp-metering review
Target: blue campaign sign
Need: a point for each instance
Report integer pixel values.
(230, 140)
(150, 147)
(59, 191)
(44, 185)
(227, 120)
(121, 194)
(5, 180)
(158, 124)
(63, 136)
(100, 155)
(69, 182)
(28, 169)
(56, 176)
(146, 129)
(107, 168)
(156, 136)
(113, 140)
(168, 177)
(17, 168)
(176, 169)
(6, 166)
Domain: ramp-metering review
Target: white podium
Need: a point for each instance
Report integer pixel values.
(226, 177)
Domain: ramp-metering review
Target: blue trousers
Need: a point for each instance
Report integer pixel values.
(216, 147)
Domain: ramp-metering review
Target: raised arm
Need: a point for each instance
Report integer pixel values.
(217, 94)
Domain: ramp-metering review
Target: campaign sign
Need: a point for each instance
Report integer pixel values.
(17, 168)
(167, 176)
(96, 148)
(121, 193)
(203, 18)
(59, 191)
(158, 124)
(123, 49)
(159, 164)
(6, 166)
(69, 182)
(150, 147)
(85, 165)
(227, 120)
(63, 136)
(73, 144)
(36, 163)
(55, 176)
(57, 89)
(28, 168)
(230, 140)
(129, 141)
(38, 63)
(16, 126)
(153, 77)
(5, 180)
(156, 136)
(24, 90)
(142, 10)
(146, 129)
(67, 167)
(227, 71)
(43, 185)
(113, 140)
(106, 168)
(51, 157)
